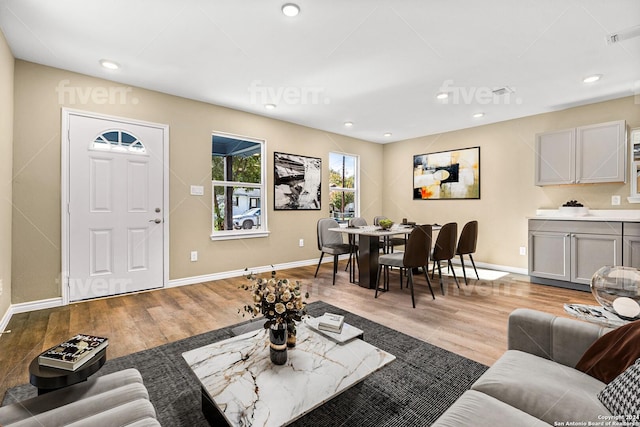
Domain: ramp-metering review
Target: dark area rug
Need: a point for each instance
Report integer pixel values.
(413, 390)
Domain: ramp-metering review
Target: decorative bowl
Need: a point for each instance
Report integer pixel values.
(573, 210)
(385, 224)
(616, 289)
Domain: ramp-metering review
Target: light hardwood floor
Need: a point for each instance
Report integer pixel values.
(471, 321)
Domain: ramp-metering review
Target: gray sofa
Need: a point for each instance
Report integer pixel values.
(117, 399)
(534, 383)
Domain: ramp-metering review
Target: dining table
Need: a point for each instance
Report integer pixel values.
(369, 246)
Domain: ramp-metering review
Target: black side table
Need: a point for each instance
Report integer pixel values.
(48, 379)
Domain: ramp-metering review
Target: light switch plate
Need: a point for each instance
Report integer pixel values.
(197, 190)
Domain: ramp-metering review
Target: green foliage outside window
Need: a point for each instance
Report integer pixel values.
(246, 169)
(343, 185)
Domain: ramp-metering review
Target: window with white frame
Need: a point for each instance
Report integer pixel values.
(238, 182)
(344, 196)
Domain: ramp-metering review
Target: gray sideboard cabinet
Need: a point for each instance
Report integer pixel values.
(583, 155)
(631, 252)
(566, 253)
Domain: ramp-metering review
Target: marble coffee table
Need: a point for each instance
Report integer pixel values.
(241, 386)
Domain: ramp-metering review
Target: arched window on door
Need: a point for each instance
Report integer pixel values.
(118, 140)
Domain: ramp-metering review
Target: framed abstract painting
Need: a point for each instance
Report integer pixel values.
(447, 175)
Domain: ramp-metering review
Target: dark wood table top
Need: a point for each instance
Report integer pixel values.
(48, 379)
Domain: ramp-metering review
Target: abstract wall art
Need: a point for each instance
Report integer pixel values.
(449, 175)
(297, 180)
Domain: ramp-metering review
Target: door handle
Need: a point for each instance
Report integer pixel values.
(157, 220)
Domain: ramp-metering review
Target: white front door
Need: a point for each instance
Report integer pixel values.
(116, 235)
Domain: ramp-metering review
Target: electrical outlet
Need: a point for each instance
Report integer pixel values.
(615, 200)
(523, 250)
(194, 256)
(301, 243)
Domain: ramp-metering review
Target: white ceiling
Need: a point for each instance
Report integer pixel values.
(377, 63)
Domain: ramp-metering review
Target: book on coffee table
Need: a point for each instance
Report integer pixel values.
(331, 322)
(347, 333)
(73, 353)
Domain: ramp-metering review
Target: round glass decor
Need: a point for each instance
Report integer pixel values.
(616, 289)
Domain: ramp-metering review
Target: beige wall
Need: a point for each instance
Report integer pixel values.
(41, 92)
(6, 159)
(508, 194)
(507, 167)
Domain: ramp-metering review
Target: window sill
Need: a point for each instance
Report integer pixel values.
(241, 235)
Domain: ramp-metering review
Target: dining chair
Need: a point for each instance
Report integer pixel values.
(353, 242)
(445, 250)
(330, 242)
(467, 245)
(389, 242)
(416, 255)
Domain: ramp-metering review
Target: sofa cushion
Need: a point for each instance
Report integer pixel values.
(95, 386)
(480, 410)
(547, 390)
(622, 395)
(84, 408)
(546, 335)
(115, 399)
(612, 353)
(139, 410)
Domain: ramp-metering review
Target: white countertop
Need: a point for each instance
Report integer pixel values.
(624, 215)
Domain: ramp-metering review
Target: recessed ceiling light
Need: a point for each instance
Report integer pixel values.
(270, 106)
(291, 10)
(442, 95)
(348, 124)
(592, 79)
(110, 65)
(478, 115)
(388, 134)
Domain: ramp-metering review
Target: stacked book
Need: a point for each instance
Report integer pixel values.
(331, 322)
(73, 353)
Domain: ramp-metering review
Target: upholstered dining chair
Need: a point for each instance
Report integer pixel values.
(445, 250)
(389, 242)
(467, 246)
(416, 255)
(330, 242)
(353, 241)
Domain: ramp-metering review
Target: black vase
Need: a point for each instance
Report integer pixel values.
(278, 344)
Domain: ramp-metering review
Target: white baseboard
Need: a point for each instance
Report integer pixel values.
(24, 307)
(267, 268)
(235, 273)
(508, 269)
(5, 320)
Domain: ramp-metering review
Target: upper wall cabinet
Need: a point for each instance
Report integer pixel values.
(555, 157)
(583, 155)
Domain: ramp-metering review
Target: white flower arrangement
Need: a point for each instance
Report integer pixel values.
(280, 301)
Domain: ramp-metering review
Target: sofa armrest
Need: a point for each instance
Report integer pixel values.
(120, 397)
(555, 338)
